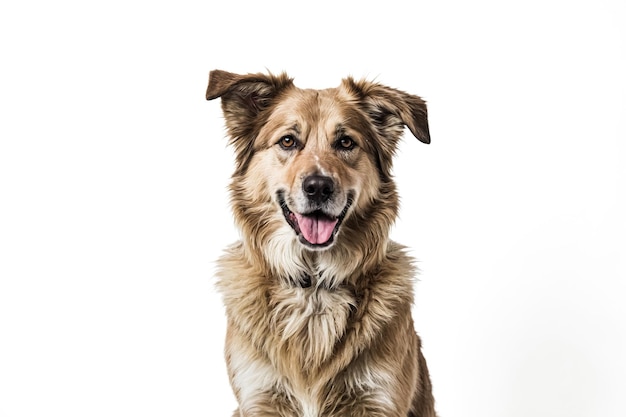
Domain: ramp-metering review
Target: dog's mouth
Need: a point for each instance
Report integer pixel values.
(315, 229)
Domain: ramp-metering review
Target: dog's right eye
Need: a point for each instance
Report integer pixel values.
(287, 142)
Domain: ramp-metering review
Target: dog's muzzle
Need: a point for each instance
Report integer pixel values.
(315, 226)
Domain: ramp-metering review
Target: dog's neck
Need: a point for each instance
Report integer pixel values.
(303, 281)
(300, 267)
(330, 269)
(312, 275)
(313, 281)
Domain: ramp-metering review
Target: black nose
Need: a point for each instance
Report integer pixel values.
(318, 188)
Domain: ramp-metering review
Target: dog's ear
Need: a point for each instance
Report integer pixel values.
(388, 108)
(244, 97)
(388, 111)
(244, 101)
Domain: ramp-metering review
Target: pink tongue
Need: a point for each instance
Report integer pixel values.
(316, 229)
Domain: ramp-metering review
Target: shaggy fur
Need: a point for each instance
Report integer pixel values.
(318, 298)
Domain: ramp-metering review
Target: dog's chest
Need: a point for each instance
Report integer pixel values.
(309, 322)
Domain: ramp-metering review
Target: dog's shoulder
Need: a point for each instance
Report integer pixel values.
(385, 294)
(395, 274)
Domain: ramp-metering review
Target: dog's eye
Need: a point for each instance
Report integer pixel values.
(345, 143)
(287, 142)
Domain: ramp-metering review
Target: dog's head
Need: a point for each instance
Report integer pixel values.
(311, 163)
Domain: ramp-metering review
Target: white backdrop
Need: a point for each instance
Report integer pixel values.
(113, 204)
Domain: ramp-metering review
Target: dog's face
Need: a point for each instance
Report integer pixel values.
(309, 160)
(319, 163)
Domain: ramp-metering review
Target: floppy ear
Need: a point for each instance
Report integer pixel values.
(254, 87)
(388, 108)
(388, 111)
(244, 101)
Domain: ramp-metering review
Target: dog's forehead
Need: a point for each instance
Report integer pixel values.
(311, 100)
(310, 107)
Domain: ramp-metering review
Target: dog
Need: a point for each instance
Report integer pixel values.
(318, 298)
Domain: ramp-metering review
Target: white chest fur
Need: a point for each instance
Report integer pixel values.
(311, 320)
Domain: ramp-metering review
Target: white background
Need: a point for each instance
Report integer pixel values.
(113, 175)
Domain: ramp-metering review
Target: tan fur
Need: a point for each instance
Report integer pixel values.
(319, 329)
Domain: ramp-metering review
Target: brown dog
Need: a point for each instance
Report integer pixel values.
(318, 298)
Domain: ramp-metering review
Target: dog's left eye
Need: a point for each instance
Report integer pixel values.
(287, 142)
(345, 143)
